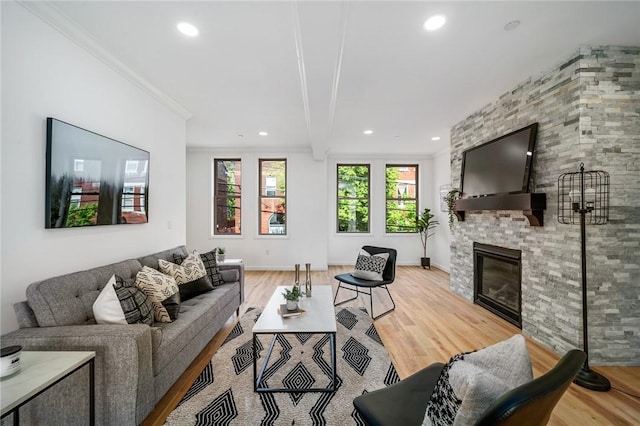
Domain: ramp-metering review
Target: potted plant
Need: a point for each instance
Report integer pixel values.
(292, 296)
(220, 254)
(425, 224)
(452, 196)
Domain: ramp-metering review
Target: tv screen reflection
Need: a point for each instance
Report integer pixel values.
(93, 180)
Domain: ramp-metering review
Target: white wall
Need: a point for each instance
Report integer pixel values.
(44, 74)
(311, 207)
(442, 240)
(305, 241)
(343, 248)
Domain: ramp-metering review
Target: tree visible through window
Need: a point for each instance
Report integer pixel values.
(353, 198)
(273, 197)
(227, 184)
(402, 198)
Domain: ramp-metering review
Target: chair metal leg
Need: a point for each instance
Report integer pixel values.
(344, 301)
(370, 294)
(387, 311)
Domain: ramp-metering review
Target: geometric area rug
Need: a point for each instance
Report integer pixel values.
(223, 393)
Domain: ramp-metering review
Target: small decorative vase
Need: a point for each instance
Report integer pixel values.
(307, 283)
(220, 257)
(292, 305)
(297, 276)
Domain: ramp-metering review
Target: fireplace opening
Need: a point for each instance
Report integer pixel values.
(497, 275)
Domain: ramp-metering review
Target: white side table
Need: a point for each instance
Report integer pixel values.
(39, 371)
(231, 262)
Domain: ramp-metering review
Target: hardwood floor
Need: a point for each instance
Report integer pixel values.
(431, 324)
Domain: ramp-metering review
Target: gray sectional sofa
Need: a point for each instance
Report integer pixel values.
(135, 364)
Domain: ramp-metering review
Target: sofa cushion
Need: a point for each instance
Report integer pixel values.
(152, 260)
(195, 315)
(471, 382)
(68, 299)
(160, 288)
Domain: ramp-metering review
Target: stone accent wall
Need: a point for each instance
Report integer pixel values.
(589, 111)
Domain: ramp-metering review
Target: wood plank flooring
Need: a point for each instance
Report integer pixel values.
(431, 324)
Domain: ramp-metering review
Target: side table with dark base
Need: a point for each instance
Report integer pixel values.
(40, 371)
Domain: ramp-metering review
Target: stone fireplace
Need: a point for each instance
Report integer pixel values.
(497, 276)
(587, 109)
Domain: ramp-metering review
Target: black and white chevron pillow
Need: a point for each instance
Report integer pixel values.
(159, 288)
(370, 267)
(190, 269)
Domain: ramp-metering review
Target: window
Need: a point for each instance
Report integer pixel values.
(402, 198)
(353, 198)
(273, 197)
(227, 196)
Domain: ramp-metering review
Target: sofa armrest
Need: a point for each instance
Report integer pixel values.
(123, 365)
(239, 267)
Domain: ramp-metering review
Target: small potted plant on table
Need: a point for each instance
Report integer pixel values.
(220, 254)
(426, 222)
(292, 296)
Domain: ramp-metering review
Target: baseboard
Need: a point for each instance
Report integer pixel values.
(284, 268)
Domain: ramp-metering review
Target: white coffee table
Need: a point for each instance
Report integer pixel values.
(319, 318)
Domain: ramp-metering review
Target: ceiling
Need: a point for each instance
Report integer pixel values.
(316, 74)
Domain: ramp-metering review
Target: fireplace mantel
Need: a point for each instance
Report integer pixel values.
(531, 204)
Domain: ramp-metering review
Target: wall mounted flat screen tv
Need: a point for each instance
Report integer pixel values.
(501, 166)
(92, 179)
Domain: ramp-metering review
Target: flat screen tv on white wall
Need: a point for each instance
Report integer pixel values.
(93, 180)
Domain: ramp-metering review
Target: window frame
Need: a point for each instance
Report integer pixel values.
(261, 197)
(338, 198)
(216, 197)
(415, 199)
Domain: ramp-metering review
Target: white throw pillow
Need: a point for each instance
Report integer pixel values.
(370, 267)
(107, 308)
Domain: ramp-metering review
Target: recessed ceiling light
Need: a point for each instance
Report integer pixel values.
(263, 133)
(512, 25)
(187, 29)
(435, 138)
(435, 22)
(368, 132)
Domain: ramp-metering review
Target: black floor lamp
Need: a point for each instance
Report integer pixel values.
(583, 197)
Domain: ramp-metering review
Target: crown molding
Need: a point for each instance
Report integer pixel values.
(50, 14)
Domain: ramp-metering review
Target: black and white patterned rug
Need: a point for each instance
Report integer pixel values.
(223, 393)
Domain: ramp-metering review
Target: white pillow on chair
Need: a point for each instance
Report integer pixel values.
(370, 267)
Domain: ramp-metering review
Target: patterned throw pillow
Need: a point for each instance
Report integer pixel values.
(471, 382)
(190, 274)
(190, 269)
(136, 306)
(370, 267)
(162, 290)
(210, 265)
(120, 302)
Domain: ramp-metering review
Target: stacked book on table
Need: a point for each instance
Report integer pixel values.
(285, 313)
